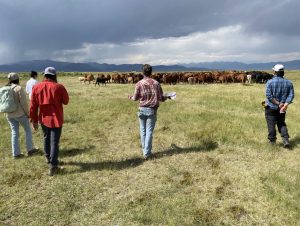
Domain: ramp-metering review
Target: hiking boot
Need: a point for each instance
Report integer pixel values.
(54, 170)
(19, 156)
(286, 143)
(32, 151)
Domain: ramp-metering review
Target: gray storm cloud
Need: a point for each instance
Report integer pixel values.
(69, 30)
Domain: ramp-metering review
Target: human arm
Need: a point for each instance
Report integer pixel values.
(64, 96)
(23, 101)
(33, 110)
(290, 96)
(27, 88)
(162, 98)
(136, 95)
(269, 94)
(283, 106)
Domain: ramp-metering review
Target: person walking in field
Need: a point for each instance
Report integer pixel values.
(149, 93)
(31, 82)
(279, 95)
(46, 107)
(19, 117)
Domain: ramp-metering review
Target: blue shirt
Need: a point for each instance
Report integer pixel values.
(280, 89)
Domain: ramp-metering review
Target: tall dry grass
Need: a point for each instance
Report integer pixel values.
(213, 165)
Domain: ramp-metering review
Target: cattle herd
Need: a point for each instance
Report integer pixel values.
(173, 78)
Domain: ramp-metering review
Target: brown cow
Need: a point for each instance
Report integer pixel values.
(241, 77)
(170, 78)
(89, 78)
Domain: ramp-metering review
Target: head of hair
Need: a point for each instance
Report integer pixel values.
(33, 74)
(17, 81)
(279, 73)
(147, 69)
(52, 77)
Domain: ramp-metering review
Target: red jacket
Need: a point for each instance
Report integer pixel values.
(48, 97)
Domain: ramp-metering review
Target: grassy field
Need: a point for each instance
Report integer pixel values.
(214, 165)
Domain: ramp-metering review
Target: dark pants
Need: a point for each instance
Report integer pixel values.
(51, 144)
(274, 118)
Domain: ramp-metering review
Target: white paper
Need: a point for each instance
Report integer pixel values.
(172, 95)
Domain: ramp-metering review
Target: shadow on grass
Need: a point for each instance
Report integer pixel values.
(248, 84)
(295, 141)
(75, 151)
(206, 146)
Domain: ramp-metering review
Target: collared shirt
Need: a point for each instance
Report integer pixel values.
(280, 89)
(48, 97)
(29, 84)
(149, 92)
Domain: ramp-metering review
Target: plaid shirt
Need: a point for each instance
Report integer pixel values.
(149, 92)
(280, 89)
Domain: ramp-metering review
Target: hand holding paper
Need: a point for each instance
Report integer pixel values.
(171, 95)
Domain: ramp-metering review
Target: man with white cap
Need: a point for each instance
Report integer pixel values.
(46, 107)
(279, 94)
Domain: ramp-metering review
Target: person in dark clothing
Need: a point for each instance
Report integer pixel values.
(279, 94)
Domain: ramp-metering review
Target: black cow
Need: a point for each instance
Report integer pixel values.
(101, 80)
(260, 76)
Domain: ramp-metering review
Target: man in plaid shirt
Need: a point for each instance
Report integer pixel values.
(279, 93)
(149, 93)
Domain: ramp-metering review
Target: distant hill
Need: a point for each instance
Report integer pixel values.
(39, 65)
(290, 65)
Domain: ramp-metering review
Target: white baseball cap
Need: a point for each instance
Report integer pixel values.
(278, 67)
(50, 71)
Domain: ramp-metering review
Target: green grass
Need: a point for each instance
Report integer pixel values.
(213, 166)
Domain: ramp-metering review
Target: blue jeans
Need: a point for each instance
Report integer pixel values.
(14, 125)
(51, 143)
(147, 120)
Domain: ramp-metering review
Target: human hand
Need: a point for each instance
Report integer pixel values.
(130, 97)
(35, 126)
(283, 108)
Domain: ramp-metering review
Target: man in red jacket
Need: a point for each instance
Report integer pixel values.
(46, 107)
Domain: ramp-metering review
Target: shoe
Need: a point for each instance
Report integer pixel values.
(59, 162)
(54, 170)
(286, 143)
(272, 142)
(32, 151)
(19, 156)
(151, 156)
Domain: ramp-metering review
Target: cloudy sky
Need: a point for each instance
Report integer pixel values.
(149, 31)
